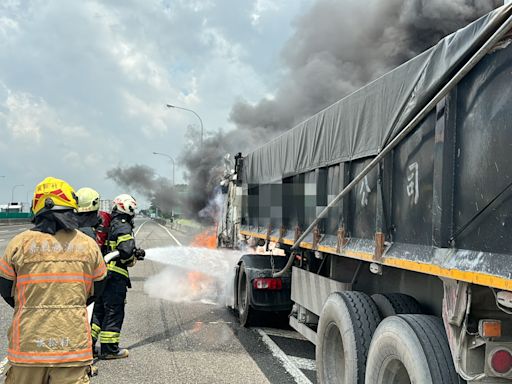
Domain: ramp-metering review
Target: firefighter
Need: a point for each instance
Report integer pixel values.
(108, 318)
(49, 274)
(88, 207)
(92, 221)
(95, 224)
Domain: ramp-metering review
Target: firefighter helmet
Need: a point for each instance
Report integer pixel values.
(53, 194)
(124, 203)
(88, 200)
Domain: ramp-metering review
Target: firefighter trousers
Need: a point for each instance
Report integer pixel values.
(108, 314)
(47, 375)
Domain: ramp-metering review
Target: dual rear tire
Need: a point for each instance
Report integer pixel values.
(355, 347)
(409, 349)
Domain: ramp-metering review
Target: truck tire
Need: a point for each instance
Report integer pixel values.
(246, 314)
(391, 304)
(410, 349)
(345, 330)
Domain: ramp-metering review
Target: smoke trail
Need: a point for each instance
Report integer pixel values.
(203, 170)
(337, 47)
(145, 181)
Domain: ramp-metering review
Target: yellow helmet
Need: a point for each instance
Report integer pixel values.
(53, 194)
(88, 200)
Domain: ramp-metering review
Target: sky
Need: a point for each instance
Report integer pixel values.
(83, 85)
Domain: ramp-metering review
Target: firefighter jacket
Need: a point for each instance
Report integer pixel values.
(120, 238)
(53, 276)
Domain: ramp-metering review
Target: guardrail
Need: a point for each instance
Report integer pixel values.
(9, 218)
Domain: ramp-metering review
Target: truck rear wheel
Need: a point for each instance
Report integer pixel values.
(391, 304)
(409, 349)
(345, 330)
(246, 314)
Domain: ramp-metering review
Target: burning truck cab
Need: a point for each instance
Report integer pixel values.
(393, 207)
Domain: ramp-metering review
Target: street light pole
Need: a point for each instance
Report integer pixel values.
(12, 191)
(173, 164)
(194, 112)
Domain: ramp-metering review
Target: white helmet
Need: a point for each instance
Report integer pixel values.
(124, 203)
(88, 200)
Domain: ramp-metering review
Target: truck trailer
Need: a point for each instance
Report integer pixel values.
(393, 209)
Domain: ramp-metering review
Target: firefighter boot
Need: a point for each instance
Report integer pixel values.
(120, 354)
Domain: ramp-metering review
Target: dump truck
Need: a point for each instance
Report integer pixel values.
(393, 210)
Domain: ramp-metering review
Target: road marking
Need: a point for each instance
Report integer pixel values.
(303, 363)
(12, 230)
(283, 333)
(288, 363)
(139, 227)
(170, 234)
(2, 239)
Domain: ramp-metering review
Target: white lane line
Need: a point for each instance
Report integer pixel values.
(12, 230)
(170, 234)
(2, 239)
(283, 333)
(139, 227)
(303, 363)
(288, 364)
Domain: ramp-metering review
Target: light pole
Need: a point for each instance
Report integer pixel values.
(12, 191)
(173, 164)
(190, 110)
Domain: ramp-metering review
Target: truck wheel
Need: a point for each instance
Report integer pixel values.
(410, 349)
(391, 304)
(246, 314)
(345, 330)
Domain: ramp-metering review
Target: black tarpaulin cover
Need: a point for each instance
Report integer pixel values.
(361, 124)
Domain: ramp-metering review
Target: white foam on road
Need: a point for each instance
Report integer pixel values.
(192, 274)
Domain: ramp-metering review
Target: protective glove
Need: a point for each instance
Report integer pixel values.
(139, 253)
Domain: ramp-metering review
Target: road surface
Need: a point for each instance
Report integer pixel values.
(189, 341)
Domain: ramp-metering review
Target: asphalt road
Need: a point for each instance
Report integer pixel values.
(190, 341)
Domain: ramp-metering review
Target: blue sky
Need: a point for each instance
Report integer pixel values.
(83, 84)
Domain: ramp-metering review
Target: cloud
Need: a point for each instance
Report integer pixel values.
(29, 118)
(260, 8)
(88, 81)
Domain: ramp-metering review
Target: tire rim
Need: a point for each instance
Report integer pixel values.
(394, 371)
(334, 355)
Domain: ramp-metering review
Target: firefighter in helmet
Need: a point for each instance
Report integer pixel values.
(108, 314)
(49, 274)
(91, 220)
(88, 206)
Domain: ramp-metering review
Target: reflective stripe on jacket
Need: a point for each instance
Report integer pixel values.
(120, 238)
(53, 277)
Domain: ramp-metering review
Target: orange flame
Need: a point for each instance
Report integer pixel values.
(206, 239)
(198, 282)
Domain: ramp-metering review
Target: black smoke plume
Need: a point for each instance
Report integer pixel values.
(145, 181)
(337, 47)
